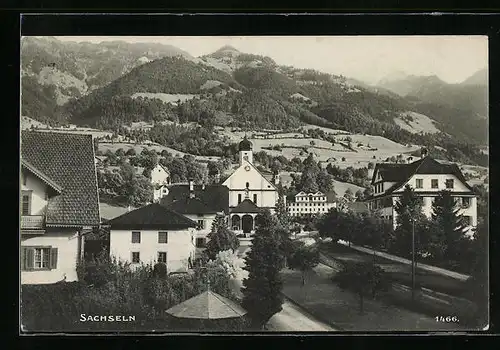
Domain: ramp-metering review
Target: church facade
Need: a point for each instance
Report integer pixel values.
(250, 192)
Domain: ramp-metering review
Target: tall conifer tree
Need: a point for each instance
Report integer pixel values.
(262, 296)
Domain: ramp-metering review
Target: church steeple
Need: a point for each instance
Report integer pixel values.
(245, 149)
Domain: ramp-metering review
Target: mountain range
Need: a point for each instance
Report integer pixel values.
(113, 83)
(471, 94)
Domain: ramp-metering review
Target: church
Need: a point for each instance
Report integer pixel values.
(249, 192)
(241, 197)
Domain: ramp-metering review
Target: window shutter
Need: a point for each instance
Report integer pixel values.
(53, 258)
(29, 258)
(23, 259)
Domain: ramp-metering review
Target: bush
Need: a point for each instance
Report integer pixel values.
(160, 270)
(113, 288)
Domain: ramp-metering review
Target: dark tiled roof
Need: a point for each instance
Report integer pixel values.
(207, 305)
(152, 216)
(247, 206)
(189, 205)
(214, 196)
(401, 173)
(67, 160)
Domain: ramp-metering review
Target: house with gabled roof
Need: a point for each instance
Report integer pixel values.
(151, 234)
(59, 203)
(199, 207)
(427, 177)
(160, 179)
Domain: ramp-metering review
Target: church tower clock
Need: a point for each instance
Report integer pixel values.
(245, 149)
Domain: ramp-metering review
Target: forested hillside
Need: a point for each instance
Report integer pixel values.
(253, 92)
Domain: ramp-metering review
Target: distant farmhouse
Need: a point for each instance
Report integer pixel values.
(427, 177)
(160, 179)
(59, 204)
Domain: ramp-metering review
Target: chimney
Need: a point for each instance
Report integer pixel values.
(217, 178)
(191, 188)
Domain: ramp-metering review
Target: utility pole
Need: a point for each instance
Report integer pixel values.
(413, 260)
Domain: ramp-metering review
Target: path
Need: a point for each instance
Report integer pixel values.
(292, 318)
(435, 269)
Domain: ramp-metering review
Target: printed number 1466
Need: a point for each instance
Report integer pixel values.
(447, 319)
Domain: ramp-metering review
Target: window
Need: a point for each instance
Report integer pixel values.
(136, 237)
(136, 258)
(449, 183)
(419, 183)
(201, 224)
(239, 198)
(26, 203)
(162, 257)
(200, 242)
(162, 237)
(255, 198)
(434, 183)
(38, 258)
(465, 202)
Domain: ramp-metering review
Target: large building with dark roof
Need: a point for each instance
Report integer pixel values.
(59, 203)
(151, 234)
(201, 204)
(427, 177)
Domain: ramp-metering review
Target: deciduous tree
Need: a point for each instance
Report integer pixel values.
(363, 279)
(220, 238)
(304, 258)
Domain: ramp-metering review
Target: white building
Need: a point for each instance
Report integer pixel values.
(249, 192)
(427, 177)
(153, 234)
(303, 204)
(160, 179)
(59, 204)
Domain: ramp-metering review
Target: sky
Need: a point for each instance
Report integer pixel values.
(367, 58)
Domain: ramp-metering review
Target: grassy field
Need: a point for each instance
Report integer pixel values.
(322, 298)
(105, 146)
(365, 147)
(420, 123)
(398, 272)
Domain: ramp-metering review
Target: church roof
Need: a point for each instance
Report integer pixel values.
(247, 206)
(245, 145)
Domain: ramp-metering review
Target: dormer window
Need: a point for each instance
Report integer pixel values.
(419, 183)
(449, 183)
